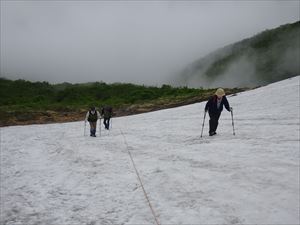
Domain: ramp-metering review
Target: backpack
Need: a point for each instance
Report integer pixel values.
(107, 111)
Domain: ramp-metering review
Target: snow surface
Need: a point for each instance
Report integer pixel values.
(52, 174)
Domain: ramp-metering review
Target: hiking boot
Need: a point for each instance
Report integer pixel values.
(212, 133)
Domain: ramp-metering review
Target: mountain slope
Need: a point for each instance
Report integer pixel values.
(52, 174)
(270, 56)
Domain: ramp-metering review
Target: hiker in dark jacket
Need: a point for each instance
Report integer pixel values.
(214, 106)
(106, 113)
(92, 116)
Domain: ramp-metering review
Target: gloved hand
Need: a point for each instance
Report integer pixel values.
(231, 109)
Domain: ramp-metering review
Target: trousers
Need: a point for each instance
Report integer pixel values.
(213, 122)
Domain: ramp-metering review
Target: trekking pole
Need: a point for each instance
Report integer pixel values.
(84, 128)
(232, 121)
(100, 127)
(203, 123)
(111, 123)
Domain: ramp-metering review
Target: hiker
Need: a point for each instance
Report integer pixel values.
(106, 113)
(214, 106)
(92, 116)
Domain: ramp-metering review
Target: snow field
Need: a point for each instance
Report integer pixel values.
(52, 174)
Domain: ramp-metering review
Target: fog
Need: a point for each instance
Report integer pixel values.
(249, 67)
(125, 41)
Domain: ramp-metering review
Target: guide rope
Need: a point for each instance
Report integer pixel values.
(140, 180)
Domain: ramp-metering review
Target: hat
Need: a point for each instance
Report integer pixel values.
(220, 92)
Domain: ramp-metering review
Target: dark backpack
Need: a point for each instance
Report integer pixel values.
(107, 112)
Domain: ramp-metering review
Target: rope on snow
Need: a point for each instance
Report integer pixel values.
(140, 180)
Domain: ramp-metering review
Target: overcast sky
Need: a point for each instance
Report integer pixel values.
(141, 42)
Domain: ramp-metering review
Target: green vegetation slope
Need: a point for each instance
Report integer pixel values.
(23, 102)
(270, 56)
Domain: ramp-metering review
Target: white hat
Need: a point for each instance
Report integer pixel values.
(220, 92)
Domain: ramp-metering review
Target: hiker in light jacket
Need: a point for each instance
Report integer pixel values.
(92, 116)
(214, 106)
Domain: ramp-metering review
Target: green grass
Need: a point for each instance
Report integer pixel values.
(23, 102)
(42, 95)
(20, 98)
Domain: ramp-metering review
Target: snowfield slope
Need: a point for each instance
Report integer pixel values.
(52, 174)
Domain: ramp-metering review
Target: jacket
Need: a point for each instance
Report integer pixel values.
(92, 117)
(212, 108)
(106, 112)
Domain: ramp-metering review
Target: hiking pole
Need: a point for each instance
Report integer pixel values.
(84, 128)
(100, 127)
(232, 121)
(111, 123)
(203, 123)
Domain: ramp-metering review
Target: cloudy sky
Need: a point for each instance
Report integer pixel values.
(143, 42)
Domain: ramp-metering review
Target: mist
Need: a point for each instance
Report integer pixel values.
(125, 41)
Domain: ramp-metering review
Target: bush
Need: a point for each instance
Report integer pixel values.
(63, 97)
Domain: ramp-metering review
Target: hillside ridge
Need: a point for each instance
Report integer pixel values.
(267, 57)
